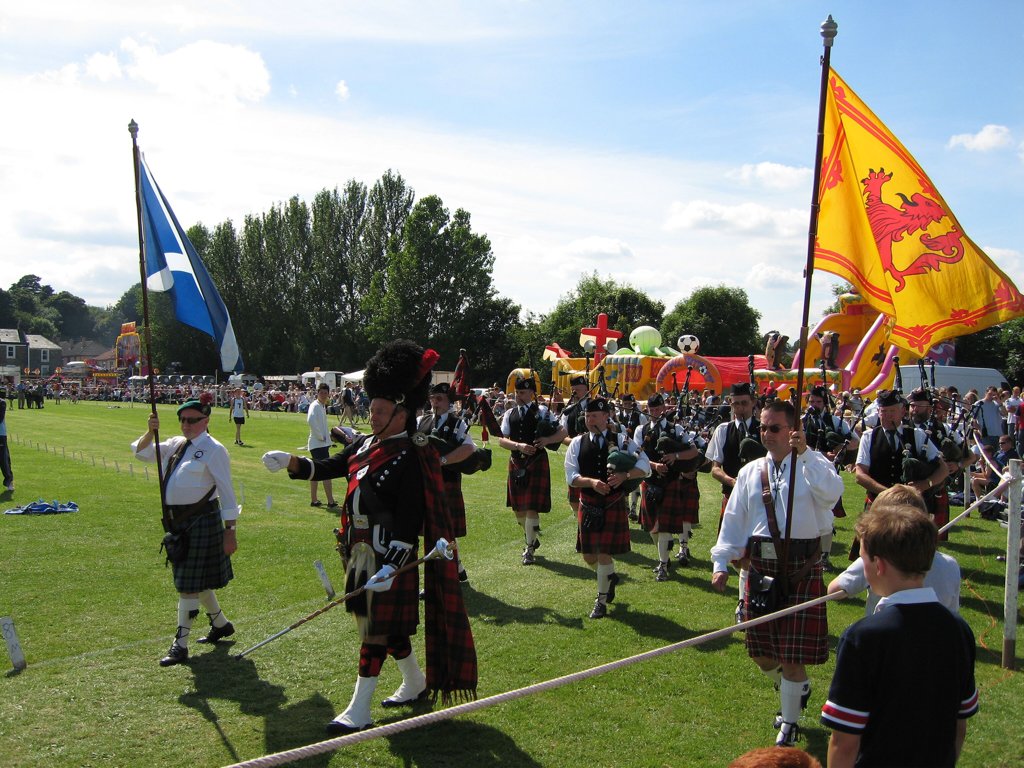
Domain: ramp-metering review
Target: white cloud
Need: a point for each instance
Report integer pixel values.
(764, 276)
(988, 138)
(772, 175)
(103, 67)
(341, 91)
(747, 218)
(204, 70)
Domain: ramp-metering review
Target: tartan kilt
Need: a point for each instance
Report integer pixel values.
(535, 492)
(206, 566)
(613, 538)
(393, 612)
(573, 496)
(800, 638)
(679, 505)
(456, 505)
(938, 505)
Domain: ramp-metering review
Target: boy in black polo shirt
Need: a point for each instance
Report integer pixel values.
(904, 680)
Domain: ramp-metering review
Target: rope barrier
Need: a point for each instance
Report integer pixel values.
(330, 745)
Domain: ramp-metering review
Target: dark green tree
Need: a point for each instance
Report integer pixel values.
(721, 317)
(626, 307)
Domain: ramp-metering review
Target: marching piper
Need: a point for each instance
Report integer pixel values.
(573, 421)
(630, 417)
(670, 497)
(529, 479)
(451, 431)
(597, 464)
(395, 492)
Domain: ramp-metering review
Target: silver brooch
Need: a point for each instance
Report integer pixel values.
(419, 439)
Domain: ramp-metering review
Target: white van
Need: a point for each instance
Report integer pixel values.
(959, 376)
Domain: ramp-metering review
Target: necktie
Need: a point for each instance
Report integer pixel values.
(176, 458)
(743, 429)
(599, 441)
(892, 439)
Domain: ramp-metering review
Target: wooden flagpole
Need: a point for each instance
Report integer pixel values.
(829, 28)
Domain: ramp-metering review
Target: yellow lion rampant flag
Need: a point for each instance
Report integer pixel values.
(883, 226)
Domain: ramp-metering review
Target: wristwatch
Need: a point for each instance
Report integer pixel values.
(444, 460)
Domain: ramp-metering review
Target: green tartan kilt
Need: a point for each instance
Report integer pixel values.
(206, 566)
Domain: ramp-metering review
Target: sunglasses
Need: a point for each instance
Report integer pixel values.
(773, 428)
(191, 419)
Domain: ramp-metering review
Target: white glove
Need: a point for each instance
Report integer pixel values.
(444, 549)
(275, 461)
(382, 580)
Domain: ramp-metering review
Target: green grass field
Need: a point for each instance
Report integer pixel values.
(95, 609)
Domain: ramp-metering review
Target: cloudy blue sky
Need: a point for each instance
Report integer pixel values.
(666, 144)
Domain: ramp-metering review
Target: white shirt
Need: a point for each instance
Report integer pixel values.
(921, 442)
(908, 597)
(572, 454)
(204, 465)
(716, 449)
(542, 415)
(818, 488)
(944, 578)
(319, 432)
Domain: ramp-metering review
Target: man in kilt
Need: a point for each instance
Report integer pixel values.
(938, 433)
(603, 528)
(670, 497)
(782, 648)
(201, 508)
(882, 458)
(529, 479)
(574, 422)
(394, 492)
(452, 440)
(630, 418)
(724, 453)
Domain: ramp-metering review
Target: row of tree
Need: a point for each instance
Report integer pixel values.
(325, 284)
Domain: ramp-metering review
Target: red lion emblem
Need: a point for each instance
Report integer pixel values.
(889, 224)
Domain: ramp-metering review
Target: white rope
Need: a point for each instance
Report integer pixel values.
(279, 758)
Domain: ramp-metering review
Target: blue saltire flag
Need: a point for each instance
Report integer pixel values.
(173, 265)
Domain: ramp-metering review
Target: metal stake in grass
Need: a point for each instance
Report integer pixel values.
(441, 549)
(324, 578)
(13, 646)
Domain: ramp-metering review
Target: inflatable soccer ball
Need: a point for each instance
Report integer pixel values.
(688, 344)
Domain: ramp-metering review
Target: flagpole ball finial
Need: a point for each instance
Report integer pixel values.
(133, 128)
(829, 29)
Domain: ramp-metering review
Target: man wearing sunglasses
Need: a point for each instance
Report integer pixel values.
(782, 648)
(201, 507)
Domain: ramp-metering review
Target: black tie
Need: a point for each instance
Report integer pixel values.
(892, 439)
(176, 458)
(743, 429)
(599, 441)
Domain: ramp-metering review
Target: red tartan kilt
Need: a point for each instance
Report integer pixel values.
(535, 494)
(612, 539)
(574, 495)
(456, 505)
(394, 612)
(938, 505)
(680, 504)
(800, 638)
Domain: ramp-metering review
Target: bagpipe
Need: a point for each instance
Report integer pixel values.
(478, 461)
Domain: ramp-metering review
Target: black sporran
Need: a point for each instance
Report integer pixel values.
(592, 517)
(176, 546)
(767, 594)
(654, 494)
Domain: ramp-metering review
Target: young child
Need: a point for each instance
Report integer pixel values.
(904, 681)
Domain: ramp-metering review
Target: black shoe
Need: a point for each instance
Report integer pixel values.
(600, 610)
(391, 701)
(661, 572)
(528, 558)
(334, 728)
(463, 576)
(216, 633)
(633, 517)
(683, 557)
(612, 581)
(177, 655)
(423, 594)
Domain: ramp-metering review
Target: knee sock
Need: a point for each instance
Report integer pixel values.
(744, 575)
(371, 659)
(791, 692)
(826, 544)
(208, 600)
(188, 609)
(774, 674)
(664, 546)
(684, 537)
(604, 571)
(530, 527)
